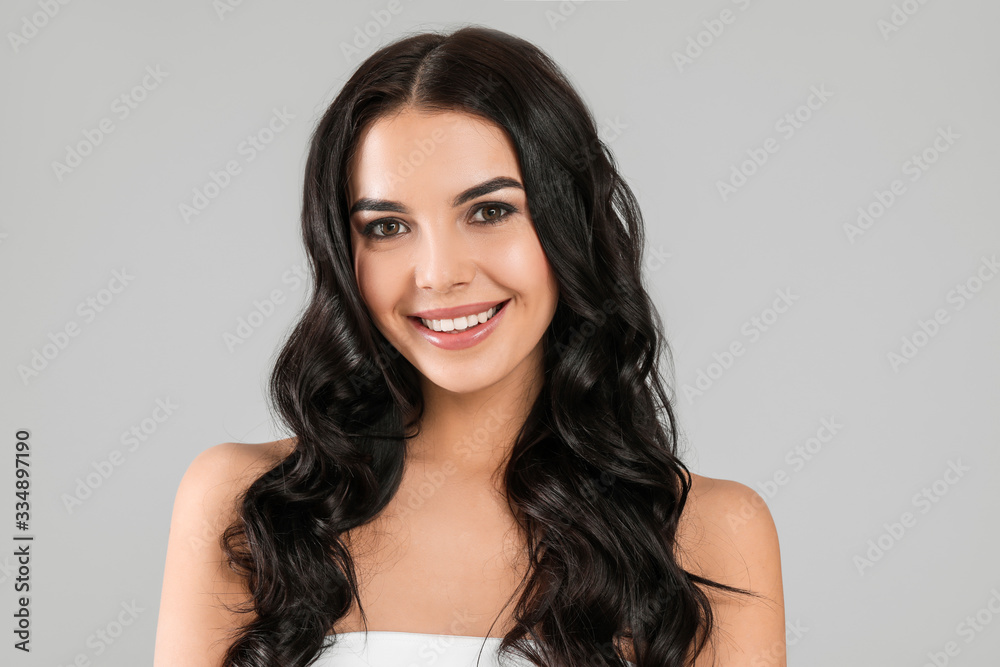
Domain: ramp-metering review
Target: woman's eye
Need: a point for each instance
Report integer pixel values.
(486, 213)
(392, 226)
(495, 212)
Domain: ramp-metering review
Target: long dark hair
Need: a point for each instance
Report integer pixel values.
(593, 479)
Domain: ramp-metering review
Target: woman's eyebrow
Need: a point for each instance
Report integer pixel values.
(486, 187)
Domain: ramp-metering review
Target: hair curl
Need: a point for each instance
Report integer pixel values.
(594, 478)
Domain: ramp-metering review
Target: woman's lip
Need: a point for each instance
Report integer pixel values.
(457, 311)
(459, 341)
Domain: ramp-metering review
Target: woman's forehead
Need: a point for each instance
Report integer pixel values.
(416, 152)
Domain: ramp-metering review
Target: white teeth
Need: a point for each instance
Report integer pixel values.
(460, 323)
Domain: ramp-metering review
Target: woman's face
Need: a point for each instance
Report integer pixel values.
(441, 199)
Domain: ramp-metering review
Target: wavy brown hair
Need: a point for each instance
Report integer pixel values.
(594, 479)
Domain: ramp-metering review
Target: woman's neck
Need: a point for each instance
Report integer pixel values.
(473, 433)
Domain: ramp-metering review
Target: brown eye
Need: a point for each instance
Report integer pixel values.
(369, 229)
(493, 213)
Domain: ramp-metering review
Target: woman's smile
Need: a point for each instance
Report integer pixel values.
(461, 332)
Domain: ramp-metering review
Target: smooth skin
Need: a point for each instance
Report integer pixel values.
(441, 249)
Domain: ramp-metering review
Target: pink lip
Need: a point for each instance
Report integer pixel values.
(467, 338)
(457, 311)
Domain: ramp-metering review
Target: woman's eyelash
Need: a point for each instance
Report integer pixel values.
(368, 230)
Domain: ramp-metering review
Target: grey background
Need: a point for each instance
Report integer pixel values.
(713, 265)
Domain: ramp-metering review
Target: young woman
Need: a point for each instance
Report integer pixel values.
(484, 453)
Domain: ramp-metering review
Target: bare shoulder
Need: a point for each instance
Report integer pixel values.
(241, 459)
(728, 535)
(194, 626)
(721, 509)
(218, 476)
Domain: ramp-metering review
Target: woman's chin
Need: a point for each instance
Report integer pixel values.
(459, 380)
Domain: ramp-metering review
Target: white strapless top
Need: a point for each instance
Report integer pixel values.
(387, 648)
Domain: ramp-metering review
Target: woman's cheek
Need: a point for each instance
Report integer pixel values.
(523, 261)
(375, 286)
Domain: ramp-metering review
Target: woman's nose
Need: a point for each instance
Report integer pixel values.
(443, 258)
